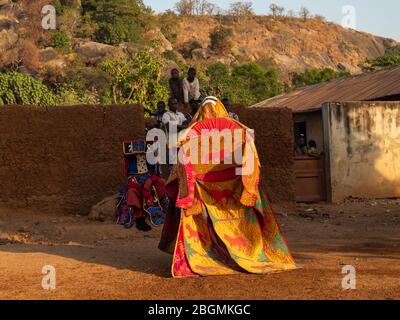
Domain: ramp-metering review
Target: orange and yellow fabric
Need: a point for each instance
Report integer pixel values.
(222, 222)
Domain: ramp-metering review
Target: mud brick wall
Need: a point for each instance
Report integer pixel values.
(274, 139)
(63, 159)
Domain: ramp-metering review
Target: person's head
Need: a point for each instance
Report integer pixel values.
(161, 106)
(175, 73)
(194, 105)
(312, 144)
(301, 141)
(173, 104)
(226, 104)
(192, 73)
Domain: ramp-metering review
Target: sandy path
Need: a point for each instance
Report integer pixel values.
(96, 260)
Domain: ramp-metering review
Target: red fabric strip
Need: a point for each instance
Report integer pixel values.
(218, 176)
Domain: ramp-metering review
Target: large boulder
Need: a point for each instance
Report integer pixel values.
(165, 44)
(201, 54)
(130, 48)
(47, 55)
(8, 38)
(51, 60)
(94, 51)
(156, 34)
(4, 3)
(8, 23)
(229, 60)
(105, 209)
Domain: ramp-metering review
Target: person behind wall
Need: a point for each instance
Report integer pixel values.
(173, 118)
(228, 107)
(300, 147)
(312, 149)
(158, 114)
(194, 107)
(191, 87)
(176, 86)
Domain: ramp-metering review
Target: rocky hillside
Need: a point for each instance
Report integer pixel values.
(293, 43)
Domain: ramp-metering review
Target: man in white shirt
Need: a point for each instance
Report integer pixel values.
(191, 87)
(173, 120)
(173, 116)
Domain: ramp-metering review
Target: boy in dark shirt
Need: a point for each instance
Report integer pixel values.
(176, 86)
(159, 113)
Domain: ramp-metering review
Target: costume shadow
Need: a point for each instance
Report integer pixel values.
(149, 260)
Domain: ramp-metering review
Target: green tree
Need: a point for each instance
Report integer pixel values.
(17, 88)
(218, 80)
(262, 83)
(118, 20)
(382, 62)
(315, 76)
(245, 84)
(136, 81)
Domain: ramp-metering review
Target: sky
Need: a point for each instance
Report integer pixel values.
(379, 17)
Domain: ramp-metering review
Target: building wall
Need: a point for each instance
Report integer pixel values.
(274, 140)
(363, 145)
(63, 159)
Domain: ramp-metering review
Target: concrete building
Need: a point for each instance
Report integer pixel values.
(355, 123)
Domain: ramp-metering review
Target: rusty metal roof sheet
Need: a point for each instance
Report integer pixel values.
(363, 87)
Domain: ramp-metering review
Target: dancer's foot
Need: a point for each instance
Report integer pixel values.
(142, 225)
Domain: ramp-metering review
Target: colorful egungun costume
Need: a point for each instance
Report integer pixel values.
(222, 222)
(143, 194)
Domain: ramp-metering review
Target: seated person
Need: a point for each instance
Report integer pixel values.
(312, 150)
(144, 188)
(300, 147)
(138, 194)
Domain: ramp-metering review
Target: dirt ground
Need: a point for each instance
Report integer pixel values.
(99, 260)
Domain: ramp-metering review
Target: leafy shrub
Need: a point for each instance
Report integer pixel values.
(60, 40)
(118, 20)
(218, 83)
(245, 84)
(263, 83)
(221, 39)
(20, 89)
(68, 96)
(136, 81)
(314, 76)
(382, 62)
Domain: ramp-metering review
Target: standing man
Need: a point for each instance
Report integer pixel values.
(191, 87)
(176, 86)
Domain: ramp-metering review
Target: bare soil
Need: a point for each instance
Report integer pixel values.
(96, 260)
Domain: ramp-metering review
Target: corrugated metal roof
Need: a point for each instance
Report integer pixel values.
(367, 86)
